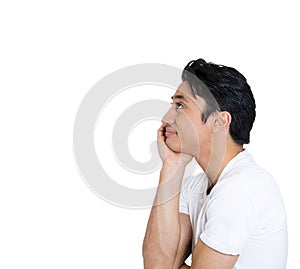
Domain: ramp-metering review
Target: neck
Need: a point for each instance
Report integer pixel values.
(216, 161)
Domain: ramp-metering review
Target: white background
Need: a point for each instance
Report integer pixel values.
(53, 52)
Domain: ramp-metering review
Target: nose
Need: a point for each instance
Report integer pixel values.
(170, 116)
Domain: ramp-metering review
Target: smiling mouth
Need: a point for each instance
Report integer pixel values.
(170, 132)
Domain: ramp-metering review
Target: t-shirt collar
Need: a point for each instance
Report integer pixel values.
(243, 155)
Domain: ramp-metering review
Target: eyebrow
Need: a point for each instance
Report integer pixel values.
(180, 97)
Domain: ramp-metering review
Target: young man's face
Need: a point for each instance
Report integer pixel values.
(185, 130)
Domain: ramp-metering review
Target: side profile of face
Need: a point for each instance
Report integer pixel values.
(185, 131)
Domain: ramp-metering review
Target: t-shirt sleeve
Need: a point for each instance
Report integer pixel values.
(229, 222)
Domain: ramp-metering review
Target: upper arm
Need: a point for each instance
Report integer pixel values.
(205, 257)
(185, 243)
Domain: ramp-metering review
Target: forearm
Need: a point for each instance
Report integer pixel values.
(163, 229)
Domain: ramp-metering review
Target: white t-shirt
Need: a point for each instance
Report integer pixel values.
(243, 214)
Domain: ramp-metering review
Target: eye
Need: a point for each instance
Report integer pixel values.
(178, 105)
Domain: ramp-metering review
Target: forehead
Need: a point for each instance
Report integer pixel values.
(185, 90)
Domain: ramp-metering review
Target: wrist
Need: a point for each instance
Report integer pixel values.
(173, 169)
(174, 164)
(173, 172)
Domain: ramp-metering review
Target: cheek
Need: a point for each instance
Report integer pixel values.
(195, 136)
(190, 133)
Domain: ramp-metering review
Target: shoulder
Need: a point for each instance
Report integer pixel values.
(195, 184)
(246, 175)
(193, 188)
(249, 189)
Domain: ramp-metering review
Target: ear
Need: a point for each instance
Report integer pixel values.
(221, 121)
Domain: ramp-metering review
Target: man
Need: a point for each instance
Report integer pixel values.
(230, 216)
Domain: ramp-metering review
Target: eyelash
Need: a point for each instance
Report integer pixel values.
(178, 104)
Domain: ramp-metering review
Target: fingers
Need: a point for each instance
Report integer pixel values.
(161, 142)
(161, 133)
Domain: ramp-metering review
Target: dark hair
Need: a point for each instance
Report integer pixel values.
(223, 89)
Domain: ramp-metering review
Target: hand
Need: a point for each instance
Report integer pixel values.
(167, 155)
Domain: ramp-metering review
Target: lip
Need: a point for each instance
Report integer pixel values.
(170, 132)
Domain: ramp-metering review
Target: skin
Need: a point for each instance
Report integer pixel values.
(209, 143)
(181, 137)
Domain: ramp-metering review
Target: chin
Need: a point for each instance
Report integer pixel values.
(174, 145)
(177, 147)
